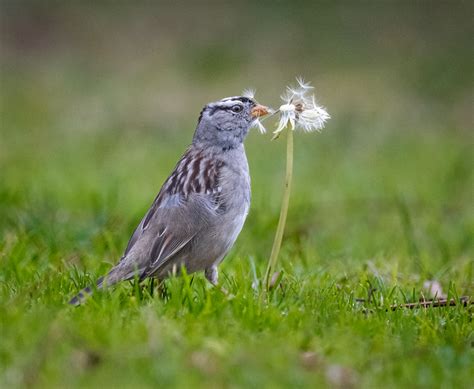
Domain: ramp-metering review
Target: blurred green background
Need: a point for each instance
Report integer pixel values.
(99, 100)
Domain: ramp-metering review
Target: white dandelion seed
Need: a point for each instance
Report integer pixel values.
(249, 93)
(257, 122)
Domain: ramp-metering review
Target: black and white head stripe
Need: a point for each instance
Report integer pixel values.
(242, 99)
(226, 103)
(229, 102)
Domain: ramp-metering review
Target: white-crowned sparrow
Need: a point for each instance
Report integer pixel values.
(201, 207)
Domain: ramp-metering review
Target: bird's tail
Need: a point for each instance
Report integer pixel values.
(118, 273)
(79, 298)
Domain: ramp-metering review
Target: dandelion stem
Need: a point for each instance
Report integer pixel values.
(284, 209)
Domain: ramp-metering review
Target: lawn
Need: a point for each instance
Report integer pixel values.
(382, 202)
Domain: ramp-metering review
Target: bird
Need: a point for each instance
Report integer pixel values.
(201, 208)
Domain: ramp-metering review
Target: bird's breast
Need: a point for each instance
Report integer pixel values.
(234, 182)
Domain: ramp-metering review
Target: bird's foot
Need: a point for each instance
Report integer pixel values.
(212, 276)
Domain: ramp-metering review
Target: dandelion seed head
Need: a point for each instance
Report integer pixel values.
(300, 110)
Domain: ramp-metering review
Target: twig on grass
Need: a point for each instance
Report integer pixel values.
(463, 301)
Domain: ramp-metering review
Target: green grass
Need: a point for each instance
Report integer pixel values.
(358, 220)
(381, 202)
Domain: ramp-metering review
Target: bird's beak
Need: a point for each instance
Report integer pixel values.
(259, 110)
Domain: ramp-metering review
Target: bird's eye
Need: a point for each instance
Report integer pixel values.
(237, 108)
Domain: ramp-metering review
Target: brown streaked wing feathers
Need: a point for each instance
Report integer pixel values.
(193, 174)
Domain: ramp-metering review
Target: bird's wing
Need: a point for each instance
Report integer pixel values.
(183, 207)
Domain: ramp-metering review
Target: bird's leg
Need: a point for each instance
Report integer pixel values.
(162, 290)
(160, 286)
(212, 276)
(152, 286)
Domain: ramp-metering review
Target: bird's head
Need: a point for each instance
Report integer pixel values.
(225, 123)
